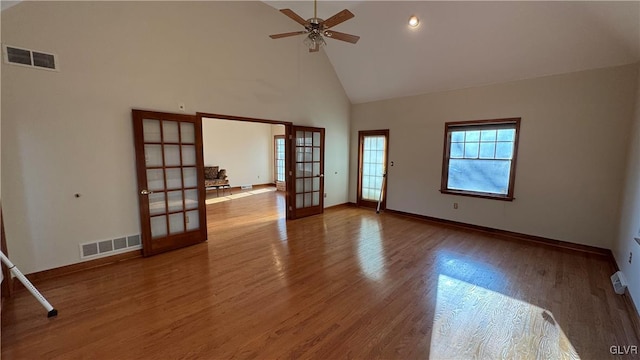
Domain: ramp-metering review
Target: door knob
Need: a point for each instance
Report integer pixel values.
(146, 192)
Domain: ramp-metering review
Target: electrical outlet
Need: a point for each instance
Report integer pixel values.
(630, 257)
(455, 206)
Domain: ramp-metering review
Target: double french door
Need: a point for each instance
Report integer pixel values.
(170, 167)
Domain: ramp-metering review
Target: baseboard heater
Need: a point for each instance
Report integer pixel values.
(246, 187)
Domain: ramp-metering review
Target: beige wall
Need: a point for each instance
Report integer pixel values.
(244, 149)
(571, 157)
(630, 214)
(70, 131)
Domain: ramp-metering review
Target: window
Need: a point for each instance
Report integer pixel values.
(279, 157)
(480, 158)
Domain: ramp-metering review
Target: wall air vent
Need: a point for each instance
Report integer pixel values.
(30, 58)
(97, 249)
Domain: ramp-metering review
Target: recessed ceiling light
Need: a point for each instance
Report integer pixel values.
(414, 21)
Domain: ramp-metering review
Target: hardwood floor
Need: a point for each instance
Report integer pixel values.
(347, 284)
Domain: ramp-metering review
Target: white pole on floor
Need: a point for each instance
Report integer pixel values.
(384, 179)
(32, 289)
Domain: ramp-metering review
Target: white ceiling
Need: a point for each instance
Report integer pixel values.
(465, 44)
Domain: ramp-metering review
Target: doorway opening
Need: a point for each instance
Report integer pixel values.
(304, 165)
(240, 155)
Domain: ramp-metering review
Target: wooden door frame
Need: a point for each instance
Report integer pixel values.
(287, 143)
(361, 135)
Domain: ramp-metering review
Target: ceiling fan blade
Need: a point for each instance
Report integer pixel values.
(278, 36)
(295, 17)
(342, 36)
(315, 49)
(338, 18)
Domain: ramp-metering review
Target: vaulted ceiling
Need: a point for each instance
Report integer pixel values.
(461, 44)
(466, 44)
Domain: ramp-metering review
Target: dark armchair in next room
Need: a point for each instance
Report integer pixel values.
(214, 177)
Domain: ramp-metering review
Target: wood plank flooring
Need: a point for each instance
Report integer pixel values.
(346, 284)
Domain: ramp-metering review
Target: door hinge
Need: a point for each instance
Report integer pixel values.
(290, 208)
(290, 137)
(290, 173)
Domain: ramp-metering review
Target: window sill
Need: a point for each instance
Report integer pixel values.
(478, 194)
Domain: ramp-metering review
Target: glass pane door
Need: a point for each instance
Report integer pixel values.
(308, 155)
(373, 146)
(169, 161)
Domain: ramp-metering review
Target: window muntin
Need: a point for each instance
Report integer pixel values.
(479, 158)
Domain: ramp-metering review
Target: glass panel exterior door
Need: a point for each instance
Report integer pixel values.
(308, 171)
(372, 167)
(169, 164)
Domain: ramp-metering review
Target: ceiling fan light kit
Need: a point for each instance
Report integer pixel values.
(314, 41)
(316, 28)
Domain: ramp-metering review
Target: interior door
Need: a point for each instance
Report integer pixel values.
(170, 170)
(373, 146)
(308, 171)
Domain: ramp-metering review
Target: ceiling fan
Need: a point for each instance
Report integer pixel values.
(316, 28)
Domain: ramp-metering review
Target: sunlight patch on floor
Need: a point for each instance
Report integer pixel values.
(238, 195)
(473, 322)
(261, 191)
(370, 251)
